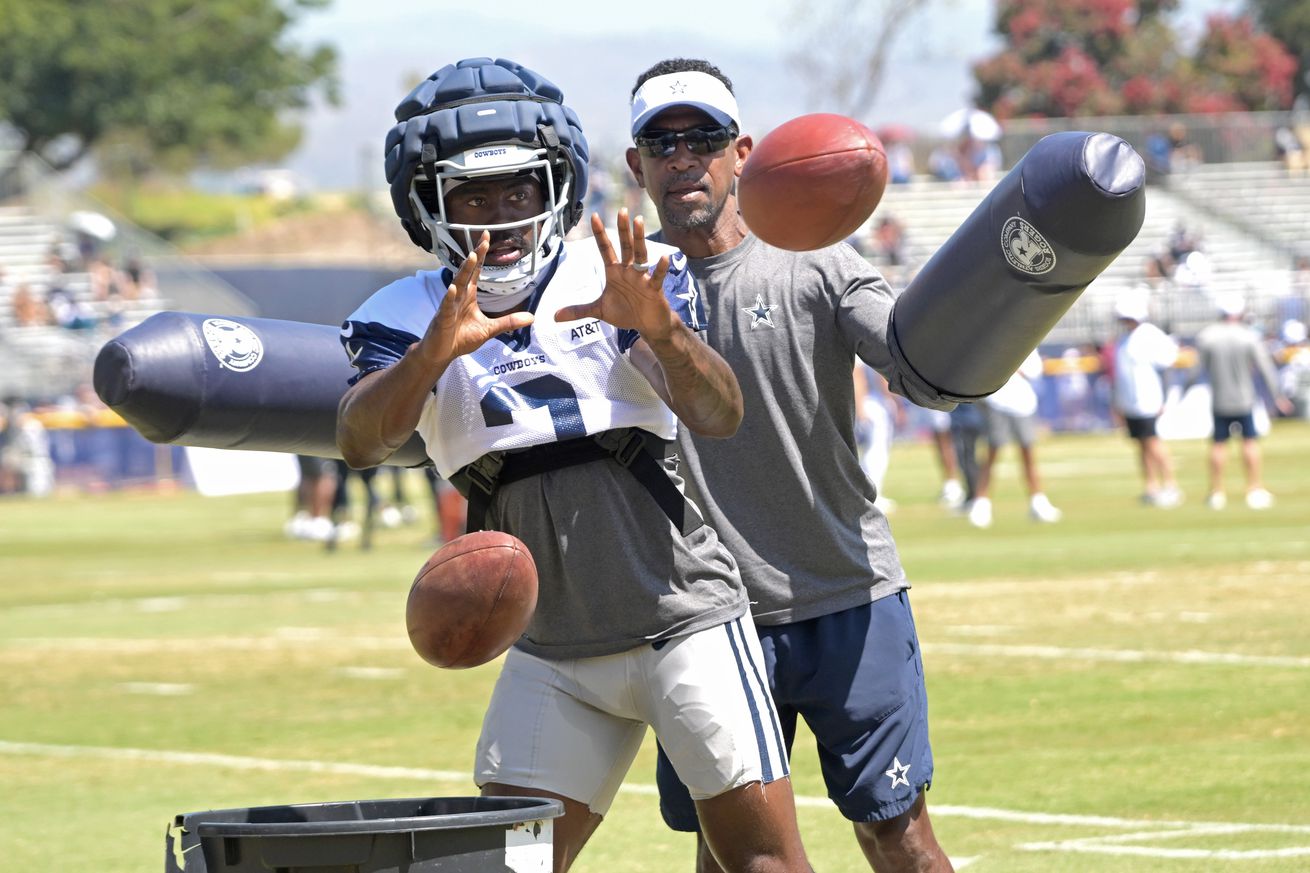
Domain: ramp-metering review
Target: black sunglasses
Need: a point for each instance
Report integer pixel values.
(699, 140)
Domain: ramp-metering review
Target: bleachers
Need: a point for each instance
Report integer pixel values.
(1245, 253)
(47, 360)
(1262, 194)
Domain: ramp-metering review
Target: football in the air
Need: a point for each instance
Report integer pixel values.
(812, 181)
(472, 599)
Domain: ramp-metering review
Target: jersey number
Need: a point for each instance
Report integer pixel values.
(552, 392)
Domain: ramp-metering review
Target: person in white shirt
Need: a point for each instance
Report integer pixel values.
(1011, 414)
(1142, 351)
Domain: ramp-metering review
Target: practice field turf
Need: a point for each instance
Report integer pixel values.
(1128, 690)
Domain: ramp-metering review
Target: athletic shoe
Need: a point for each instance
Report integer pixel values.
(1216, 500)
(1040, 508)
(952, 495)
(980, 512)
(390, 517)
(297, 526)
(1259, 498)
(1168, 498)
(346, 530)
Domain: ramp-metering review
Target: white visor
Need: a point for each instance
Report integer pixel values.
(696, 89)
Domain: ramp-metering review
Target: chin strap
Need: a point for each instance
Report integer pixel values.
(496, 303)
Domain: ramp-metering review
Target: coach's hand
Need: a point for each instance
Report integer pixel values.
(460, 326)
(633, 296)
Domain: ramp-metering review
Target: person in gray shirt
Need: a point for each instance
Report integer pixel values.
(1231, 354)
(786, 493)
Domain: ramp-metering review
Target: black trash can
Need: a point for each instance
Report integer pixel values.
(419, 835)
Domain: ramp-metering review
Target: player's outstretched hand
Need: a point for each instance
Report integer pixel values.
(460, 326)
(633, 297)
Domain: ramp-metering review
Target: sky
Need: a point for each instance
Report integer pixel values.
(594, 52)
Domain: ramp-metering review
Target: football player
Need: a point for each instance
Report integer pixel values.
(547, 379)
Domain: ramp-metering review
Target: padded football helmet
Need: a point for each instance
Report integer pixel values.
(480, 118)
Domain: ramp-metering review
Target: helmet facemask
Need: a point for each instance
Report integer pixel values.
(499, 286)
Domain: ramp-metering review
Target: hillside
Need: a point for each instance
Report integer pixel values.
(339, 236)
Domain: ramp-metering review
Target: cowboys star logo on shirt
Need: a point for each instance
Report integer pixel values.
(236, 346)
(761, 313)
(1025, 248)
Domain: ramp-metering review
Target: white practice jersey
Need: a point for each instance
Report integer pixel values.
(548, 382)
(613, 570)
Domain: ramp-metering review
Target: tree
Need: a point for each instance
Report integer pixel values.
(842, 50)
(1289, 22)
(1109, 57)
(184, 81)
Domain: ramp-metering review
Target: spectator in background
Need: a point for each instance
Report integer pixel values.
(1073, 391)
(1299, 284)
(449, 507)
(944, 164)
(967, 427)
(26, 465)
(953, 494)
(1011, 416)
(1181, 243)
(900, 160)
(28, 309)
(1142, 351)
(55, 260)
(1171, 152)
(878, 413)
(889, 247)
(979, 159)
(67, 311)
(107, 289)
(9, 475)
(1231, 354)
(1183, 153)
(1294, 373)
(138, 280)
(312, 514)
(1289, 151)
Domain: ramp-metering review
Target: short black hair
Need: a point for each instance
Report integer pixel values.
(681, 65)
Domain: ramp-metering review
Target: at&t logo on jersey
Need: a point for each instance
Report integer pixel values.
(577, 334)
(1025, 249)
(236, 346)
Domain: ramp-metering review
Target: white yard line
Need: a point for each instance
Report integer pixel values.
(158, 689)
(294, 637)
(1122, 655)
(283, 638)
(1140, 831)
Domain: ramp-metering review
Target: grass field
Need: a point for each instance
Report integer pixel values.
(1128, 690)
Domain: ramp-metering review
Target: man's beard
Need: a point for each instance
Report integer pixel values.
(693, 217)
(517, 238)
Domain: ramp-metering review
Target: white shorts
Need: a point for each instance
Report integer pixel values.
(573, 727)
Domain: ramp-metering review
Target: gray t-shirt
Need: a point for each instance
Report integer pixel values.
(613, 571)
(1231, 354)
(620, 573)
(786, 493)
